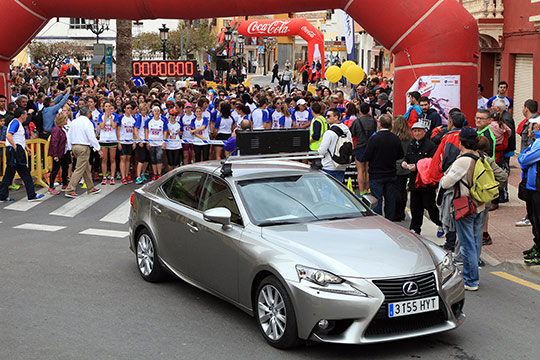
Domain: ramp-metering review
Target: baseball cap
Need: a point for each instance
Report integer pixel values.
(301, 102)
(468, 133)
(418, 125)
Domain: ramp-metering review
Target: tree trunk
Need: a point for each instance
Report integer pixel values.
(123, 51)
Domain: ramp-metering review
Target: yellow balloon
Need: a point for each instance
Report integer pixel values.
(355, 74)
(346, 65)
(333, 74)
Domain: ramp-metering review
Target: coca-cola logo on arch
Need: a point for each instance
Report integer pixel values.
(309, 33)
(278, 27)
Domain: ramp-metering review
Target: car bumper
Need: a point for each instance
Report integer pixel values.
(352, 317)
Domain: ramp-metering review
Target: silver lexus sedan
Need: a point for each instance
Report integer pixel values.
(295, 249)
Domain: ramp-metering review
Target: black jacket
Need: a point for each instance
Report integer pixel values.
(431, 120)
(382, 152)
(418, 150)
(362, 128)
(509, 120)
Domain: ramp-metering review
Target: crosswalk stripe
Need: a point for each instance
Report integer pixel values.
(103, 232)
(119, 215)
(25, 205)
(39, 227)
(74, 207)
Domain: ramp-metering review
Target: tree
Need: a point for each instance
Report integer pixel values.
(123, 50)
(191, 39)
(53, 54)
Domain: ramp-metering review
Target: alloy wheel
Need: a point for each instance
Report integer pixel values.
(145, 254)
(271, 312)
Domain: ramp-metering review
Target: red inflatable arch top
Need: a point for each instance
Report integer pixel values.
(288, 27)
(428, 37)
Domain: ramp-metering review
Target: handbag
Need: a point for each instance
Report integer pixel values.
(523, 192)
(464, 207)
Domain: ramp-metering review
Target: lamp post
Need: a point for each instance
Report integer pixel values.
(265, 42)
(97, 27)
(164, 36)
(241, 42)
(228, 38)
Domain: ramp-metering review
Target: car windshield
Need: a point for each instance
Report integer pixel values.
(298, 199)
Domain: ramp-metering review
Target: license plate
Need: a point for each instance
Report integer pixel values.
(413, 306)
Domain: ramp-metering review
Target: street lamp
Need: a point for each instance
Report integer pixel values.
(265, 42)
(164, 36)
(228, 38)
(97, 27)
(241, 42)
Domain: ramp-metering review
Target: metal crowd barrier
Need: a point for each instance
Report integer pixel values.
(39, 163)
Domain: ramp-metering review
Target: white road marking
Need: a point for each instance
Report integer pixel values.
(75, 206)
(39, 227)
(120, 215)
(25, 205)
(103, 232)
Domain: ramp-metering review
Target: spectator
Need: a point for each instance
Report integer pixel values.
(402, 130)
(329, 141)
(429, 117)
(362, 129)
(414, 111)
(501, 94)
(382, 151)
(58, 150)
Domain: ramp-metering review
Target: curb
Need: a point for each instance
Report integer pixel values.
(514, 265)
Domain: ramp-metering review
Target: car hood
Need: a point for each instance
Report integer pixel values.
(366, 247)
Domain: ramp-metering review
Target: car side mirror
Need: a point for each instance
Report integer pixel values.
(370, 201)
(219, 215)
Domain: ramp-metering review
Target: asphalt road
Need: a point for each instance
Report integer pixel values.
(67, 295)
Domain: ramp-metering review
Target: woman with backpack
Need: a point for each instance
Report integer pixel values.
(469, 213)
(329, 142)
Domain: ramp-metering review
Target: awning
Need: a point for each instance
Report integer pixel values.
(97, 59)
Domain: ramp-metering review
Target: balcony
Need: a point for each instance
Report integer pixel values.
(484, 9)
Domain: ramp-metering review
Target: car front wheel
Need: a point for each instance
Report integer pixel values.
(147, 260)
(275, 314)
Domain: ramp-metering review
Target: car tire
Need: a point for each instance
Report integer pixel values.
(277, 325)
(148, 263)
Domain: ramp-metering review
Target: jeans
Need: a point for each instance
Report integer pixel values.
(336, 174)
(469, 232)
(384, 188)
(286, 84)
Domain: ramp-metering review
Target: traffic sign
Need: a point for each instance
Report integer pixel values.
(260, 49)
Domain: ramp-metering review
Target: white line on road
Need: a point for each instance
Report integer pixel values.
(119, 215)
(74, 207)
(103, 232)
(25, 205)
(39, 227)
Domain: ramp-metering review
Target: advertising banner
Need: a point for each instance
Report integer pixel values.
(443, 91)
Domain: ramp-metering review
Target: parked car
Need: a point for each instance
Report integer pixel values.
(297, 250)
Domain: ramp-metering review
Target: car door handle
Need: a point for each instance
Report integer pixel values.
(192, 227)
(156, 209)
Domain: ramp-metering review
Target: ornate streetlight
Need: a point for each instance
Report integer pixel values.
(228, 38)
(164, 36)
(97, 26)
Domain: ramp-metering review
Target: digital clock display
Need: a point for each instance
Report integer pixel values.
(168, 68)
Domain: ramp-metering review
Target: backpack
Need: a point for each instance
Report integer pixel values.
(343, 152)
(484, 186)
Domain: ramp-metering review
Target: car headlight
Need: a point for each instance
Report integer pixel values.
(447, 268)
(316, 276)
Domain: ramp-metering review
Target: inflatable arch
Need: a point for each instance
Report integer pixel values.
(287, 27)
(428, 37)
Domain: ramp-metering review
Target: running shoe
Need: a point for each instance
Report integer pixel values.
(159, 176)
(139, 180)
(533, 261)
(440, 232)
(104, 181)
(94, 191)
(129, 179)
(38, 197)
(143, 176)
(54, 192)
(529, 251)
(524, 222)
(124, 181)
(7, 200)
(154, 178)
(64, 187)
(486, 240)
(111, 182)
(14, 187)
(72, 195)
(471, 288)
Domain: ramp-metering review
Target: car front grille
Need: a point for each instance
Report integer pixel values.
(393, 292)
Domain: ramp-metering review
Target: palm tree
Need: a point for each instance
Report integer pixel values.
(123, 51)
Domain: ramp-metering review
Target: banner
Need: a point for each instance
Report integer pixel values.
(348, 23)
(444, 91)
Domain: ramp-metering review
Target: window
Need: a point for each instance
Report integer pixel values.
(185, 188)
(77, 23)
(217, 194)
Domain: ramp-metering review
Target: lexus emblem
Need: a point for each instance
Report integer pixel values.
(410, 288)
